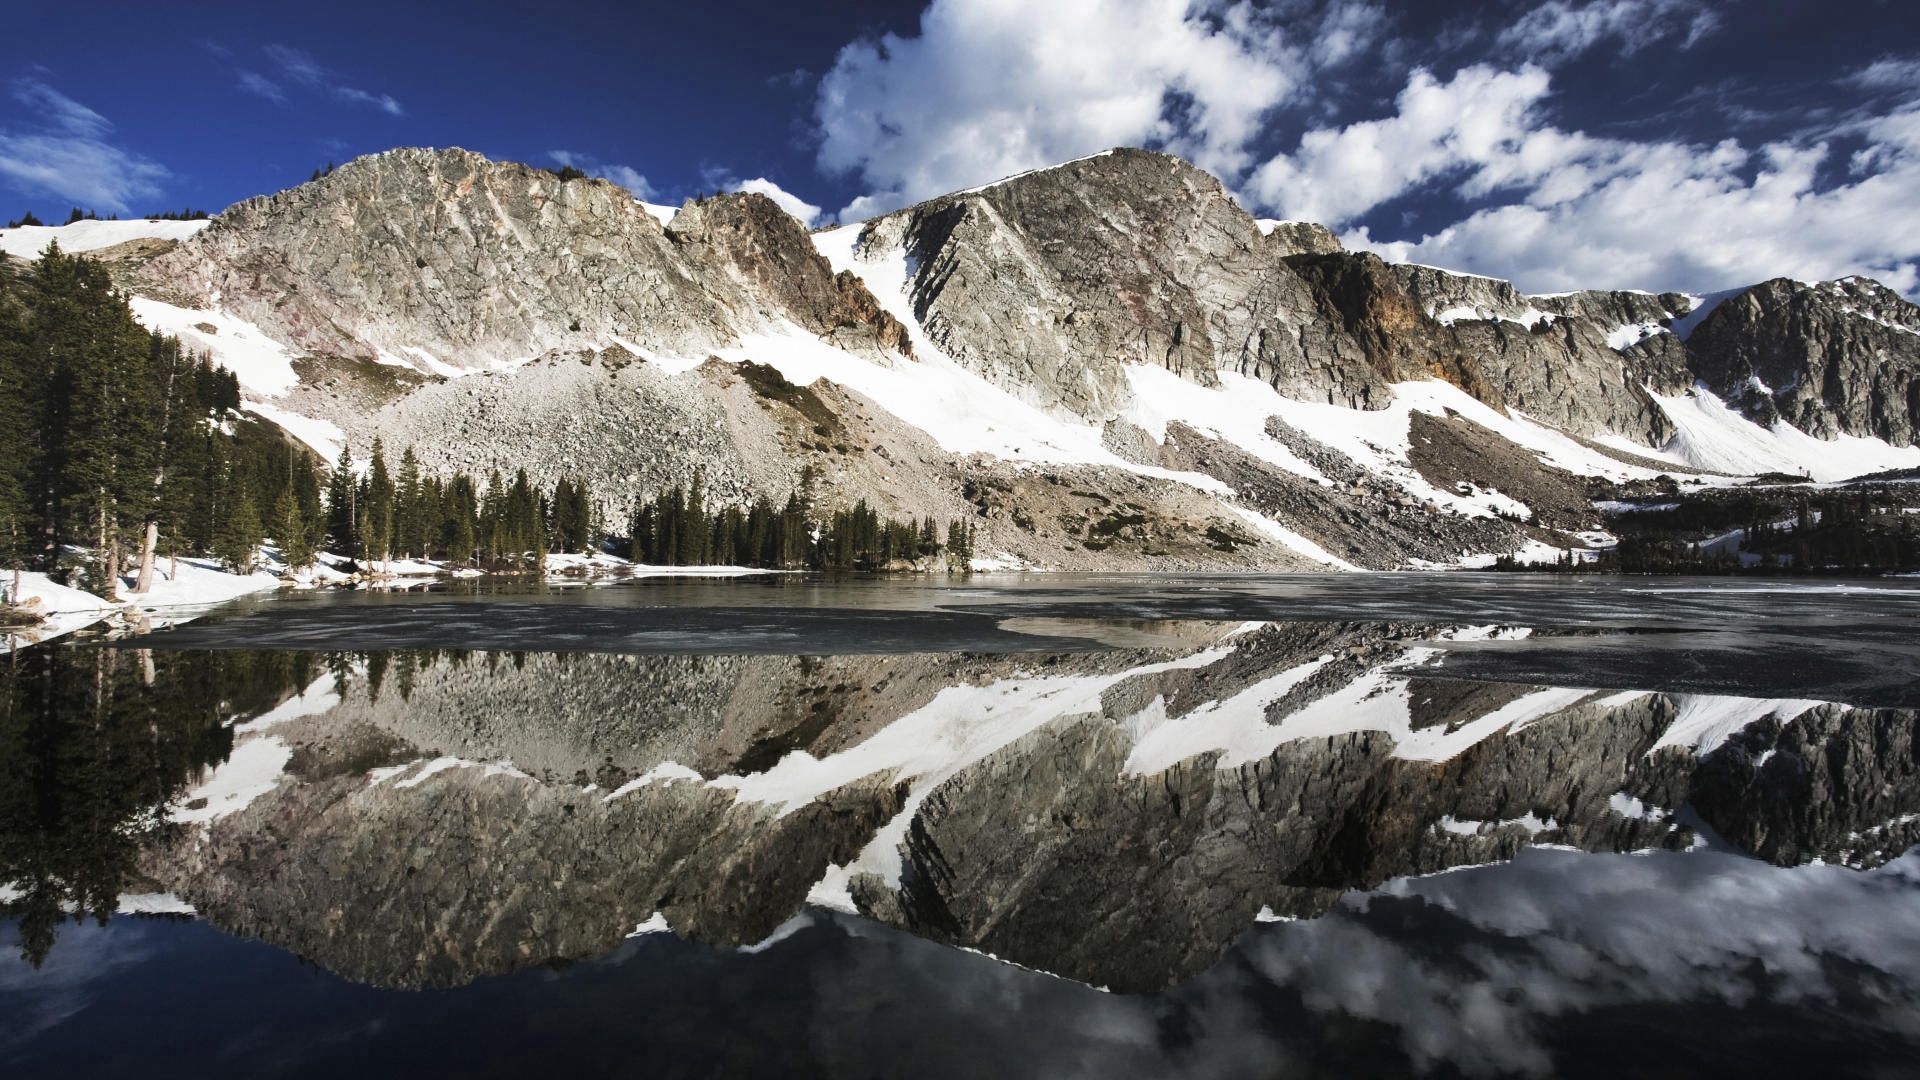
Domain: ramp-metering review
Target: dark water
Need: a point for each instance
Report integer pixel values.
(1018, 827)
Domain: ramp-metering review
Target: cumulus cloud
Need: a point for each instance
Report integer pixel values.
(993, 87)
(808, 213)
(301, 69)
(66, 153)
(1559, 30)
(625, 175)
(1478, 120)
(1582, 211)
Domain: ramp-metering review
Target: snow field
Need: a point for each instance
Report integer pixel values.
(28, 241)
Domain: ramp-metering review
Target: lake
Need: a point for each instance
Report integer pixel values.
(1033, 825)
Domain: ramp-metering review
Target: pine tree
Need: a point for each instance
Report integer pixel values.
(571, 516)
(17, 437)
(342, 517)
(240, 533)
(695, 539)
(410, 514)
(493, 519)
(376, 527)
(290, 531)
(459, 520)
(644, 535)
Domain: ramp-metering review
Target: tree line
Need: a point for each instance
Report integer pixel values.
(379, 514)
(1831, 533)
(125, 448)
(96, 745)
(678, 528)
(121, 446)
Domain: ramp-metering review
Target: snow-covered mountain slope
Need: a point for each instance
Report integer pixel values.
(28, 241)
(1106, 364)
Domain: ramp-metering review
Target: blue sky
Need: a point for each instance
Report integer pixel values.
(1691, 144)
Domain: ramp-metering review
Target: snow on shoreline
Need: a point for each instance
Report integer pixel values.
(183, 588)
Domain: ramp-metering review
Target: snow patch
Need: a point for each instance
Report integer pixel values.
(1628, 806)
(665, 772)
(655, 924)
(29, 241)
(160, 903)
(262, 364)
(1529, 822)
(320, 695)
(324, 436)
(1710, 435)
(1621, 338)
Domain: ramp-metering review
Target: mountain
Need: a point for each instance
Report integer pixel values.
(1104, 364)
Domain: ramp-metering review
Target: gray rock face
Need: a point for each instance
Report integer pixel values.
(1048, 282)
(1839, 357)
(1300, 238)
(1049, 285)
(481, 262)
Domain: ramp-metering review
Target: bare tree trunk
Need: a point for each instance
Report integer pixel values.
(103, 559)
(145, 581)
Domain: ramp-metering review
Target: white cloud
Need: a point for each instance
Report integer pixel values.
(260, 86)
(994, 87)
(1479, 119)
(385, 103)
(1347, 30)
(988, 88)
(625, 175)
(1558, 30)
(304, 70)
(1580, 211)
(67, 154)
(791, 203)
(1900, 73)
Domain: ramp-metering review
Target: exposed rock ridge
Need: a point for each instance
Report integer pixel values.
(1833, 358)
(1049, 282)
(480, 262)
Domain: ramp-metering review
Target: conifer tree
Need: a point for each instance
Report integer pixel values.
(459, 520)
(377, 525)
(240, 532)
(342, 493)
(410, 512)
(290, 531)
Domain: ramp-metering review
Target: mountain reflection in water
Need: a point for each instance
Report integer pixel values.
(1146, 817)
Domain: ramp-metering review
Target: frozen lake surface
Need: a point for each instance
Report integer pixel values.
(1041, 825)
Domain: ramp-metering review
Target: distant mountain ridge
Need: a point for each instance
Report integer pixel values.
(982, 341)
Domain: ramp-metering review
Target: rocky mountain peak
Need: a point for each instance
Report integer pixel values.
(1831, 358)
(769, 255)
(479, 263)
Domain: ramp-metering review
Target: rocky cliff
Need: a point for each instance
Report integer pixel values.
(484, 264)
(494, 315)
(1834, 358)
